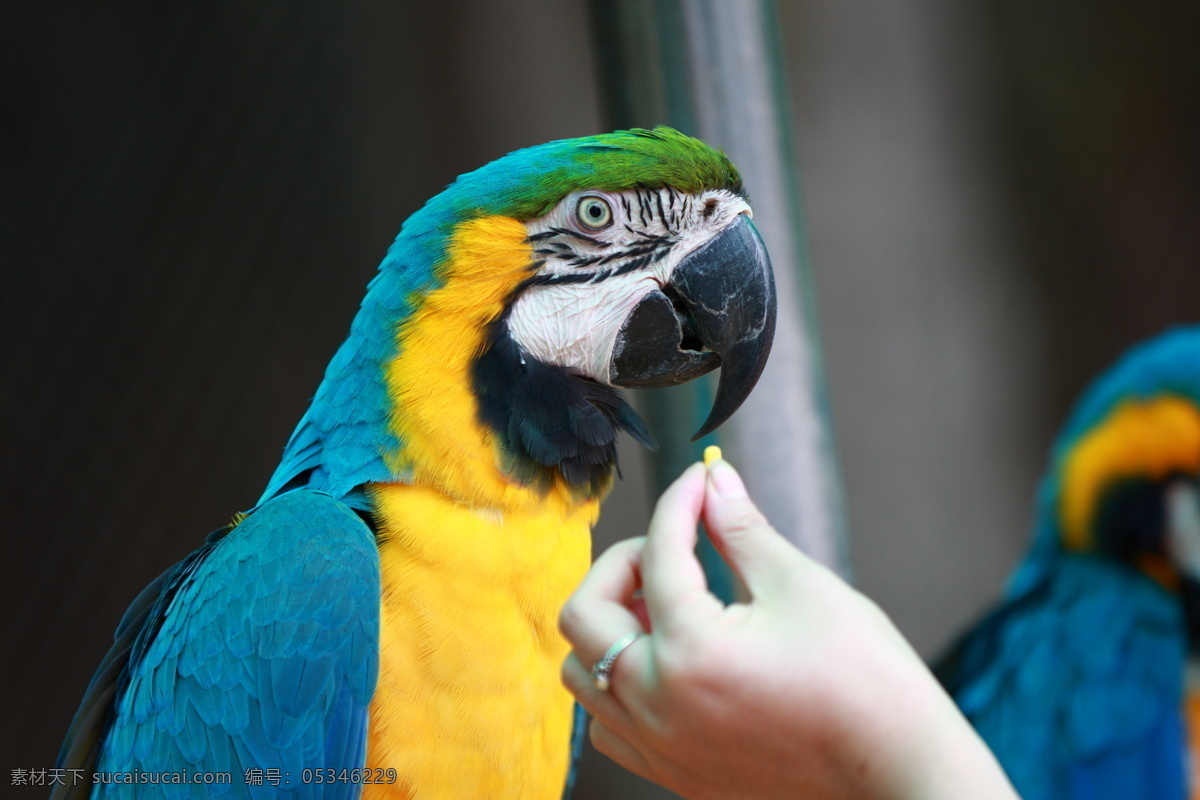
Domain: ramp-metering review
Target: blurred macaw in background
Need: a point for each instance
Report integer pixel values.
(390, 603)
(1080, 681)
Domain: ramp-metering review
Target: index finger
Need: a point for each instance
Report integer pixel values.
(673, 581)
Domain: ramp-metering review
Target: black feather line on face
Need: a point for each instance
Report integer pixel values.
(549, 419)
(649, 237)
(551, 233)
(648, 249)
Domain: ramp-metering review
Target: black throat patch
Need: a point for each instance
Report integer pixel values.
(551, 420)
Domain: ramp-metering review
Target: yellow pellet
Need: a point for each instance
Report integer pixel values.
(711, 454)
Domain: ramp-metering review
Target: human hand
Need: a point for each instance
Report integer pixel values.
(806, 690)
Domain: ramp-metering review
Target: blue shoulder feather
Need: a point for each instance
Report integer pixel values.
(260, 651)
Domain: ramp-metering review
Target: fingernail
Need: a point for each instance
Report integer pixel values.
(726, 480)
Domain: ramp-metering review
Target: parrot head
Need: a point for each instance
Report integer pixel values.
(662, 287)
(1124, 481)
(513, 306)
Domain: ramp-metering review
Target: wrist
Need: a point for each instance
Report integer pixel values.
(918, 744)
(941, 757)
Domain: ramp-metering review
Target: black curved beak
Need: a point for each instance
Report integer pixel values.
(1189, 593)
(717, 310)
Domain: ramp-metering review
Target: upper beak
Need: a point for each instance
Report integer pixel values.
(718, 309)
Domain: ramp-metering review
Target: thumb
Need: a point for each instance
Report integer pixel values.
(753, 549)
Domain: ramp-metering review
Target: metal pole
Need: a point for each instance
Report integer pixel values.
(713, 68)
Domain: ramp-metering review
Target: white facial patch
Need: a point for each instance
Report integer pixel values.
(597, 266)
(575, 325)
(1183, 526)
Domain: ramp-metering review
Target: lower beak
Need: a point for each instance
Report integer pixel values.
(718, 309)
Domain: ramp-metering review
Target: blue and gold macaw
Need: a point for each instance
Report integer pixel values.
(1078, 680)
(390, 603)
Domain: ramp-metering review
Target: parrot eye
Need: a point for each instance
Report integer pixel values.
(594, 213)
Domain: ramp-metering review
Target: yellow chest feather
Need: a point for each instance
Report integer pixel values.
(469, 702)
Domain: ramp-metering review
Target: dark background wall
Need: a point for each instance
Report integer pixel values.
(1001, 197)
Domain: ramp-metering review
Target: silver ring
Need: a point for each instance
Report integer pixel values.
(602, 672)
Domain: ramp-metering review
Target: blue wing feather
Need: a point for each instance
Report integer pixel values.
(1076, 684)
(259, 651)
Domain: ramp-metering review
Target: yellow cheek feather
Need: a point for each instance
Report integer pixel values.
(475, 565)
(434, 411)
(1149, 439)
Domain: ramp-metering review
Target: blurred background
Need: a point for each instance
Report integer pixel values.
(1000, 197)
